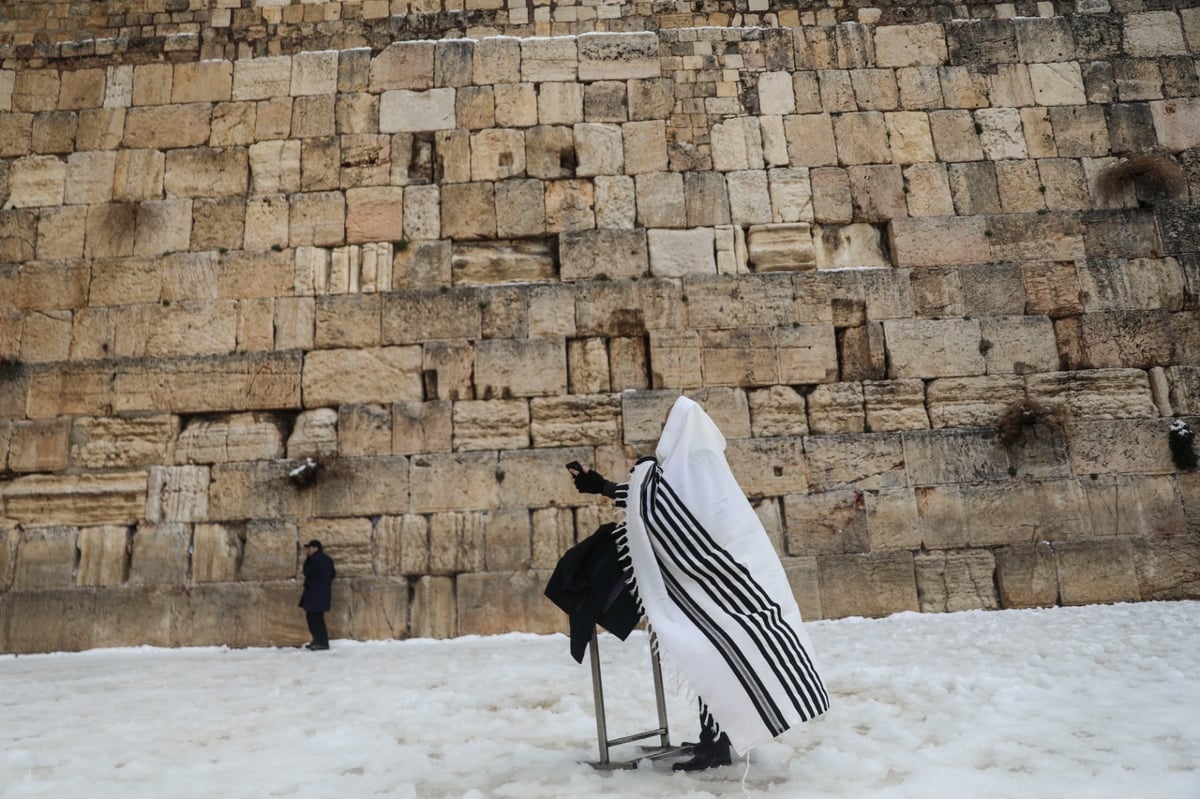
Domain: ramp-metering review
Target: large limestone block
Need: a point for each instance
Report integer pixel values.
(1153, 33)
(536, 478)
(935, 241)
(46, 558)
(348, 541)
(314, 435)
(255, 490)
(123, 442)
(954, 136)
(676, 253)
(862, 138)
(222, 172)
(474, 211)
(661, 201)
(892, 519)
(168, 127)
(746, 357)
(401, 545)
(160, 554)
(895, 405)
(275, 167)
(869, 462)
(575, 420)
(347, 320)
(1095, 393)
(379, 609)
(952, 581)
(599, 149)
(109, 498)
(317, 218)
(862, 352)
(1057, 83)
(875, 89)
(414, 111)
(1018, 344)
(1091, 572)
(501, 602)
(569, 206)
(835, 408)
(202, 82)
(364, 430)
(490, 425)
(379, 375)
(227, 614)
(954, 456)
(374, 213)
(9, 536)
(781, 247)
(402, 65)
(216, 550)
(124, 616)
(520, 368)
(549, 59)
(867, 585)
(507, 539)
(434, 609)
(829, 523)
(910, 137)
(262, 78)
(1121, 446)
(237, 437)
(933, 348)
(964, 86)
(38, 446)
(1165, 567)
(807, 354)
(972, 401)
(497, 153)
(48, 621)
(722, 301)
(618, 56)
(791, 196)
(737, 145)
(457, 542)
(36, 180)
(1027, 575)
(1134, 505)
(496, 60)
(314, 73)
(1177, 122)
(177, 494)
(458, 481)
(1141, 283)
(520, 208)
(614, 253)
(910, 45)
(810, 139)
(448, 370)
(411, 317)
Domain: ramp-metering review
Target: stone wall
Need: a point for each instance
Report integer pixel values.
(441, 269)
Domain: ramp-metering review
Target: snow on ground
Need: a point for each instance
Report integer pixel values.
(1084, 703)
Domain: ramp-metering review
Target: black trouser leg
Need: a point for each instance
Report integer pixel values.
(316, 626)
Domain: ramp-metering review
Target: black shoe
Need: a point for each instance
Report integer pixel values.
(708, 755)
(316, 647)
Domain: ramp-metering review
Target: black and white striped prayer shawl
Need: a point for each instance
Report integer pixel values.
(713, 589)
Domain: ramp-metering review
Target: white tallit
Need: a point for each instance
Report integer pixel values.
(712, 587)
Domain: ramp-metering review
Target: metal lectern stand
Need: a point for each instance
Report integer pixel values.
(664, 749)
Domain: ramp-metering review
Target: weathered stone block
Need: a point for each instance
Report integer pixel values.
(49, 621)
(76, 499)
(461, 481)
(618, 56)
(348, 540)
(972, 401)
(536, 478)
(421, 427)
(491, 425)
(216, 549)
(160, 554)
(933, 348)
(1166, 567)
(505, 601)
(832, 522)
(1121, 447)
(434, 608)
(587, 254)
(575, 420)
(379, 609)
(1097, 571)
(45, 558)
(868, 462)
(954, 581)
(1027, 575)
(895, 405)
(867, 585)
(457, 542)
(384, 374)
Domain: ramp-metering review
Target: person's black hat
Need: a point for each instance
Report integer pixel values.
(314, 543)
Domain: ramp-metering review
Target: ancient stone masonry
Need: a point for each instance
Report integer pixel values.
(934, 268)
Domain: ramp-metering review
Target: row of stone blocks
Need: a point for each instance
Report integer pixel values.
(1033, 574)
(1076, 476)
(90, 439)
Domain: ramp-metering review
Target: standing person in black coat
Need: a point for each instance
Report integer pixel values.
(318, 590)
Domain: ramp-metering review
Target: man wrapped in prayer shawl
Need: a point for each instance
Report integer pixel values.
(712, 589)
